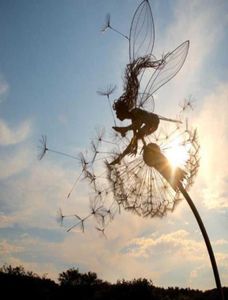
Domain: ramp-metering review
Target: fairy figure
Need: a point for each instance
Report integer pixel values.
(131, 105)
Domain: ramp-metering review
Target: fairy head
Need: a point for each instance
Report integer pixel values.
(122, 109)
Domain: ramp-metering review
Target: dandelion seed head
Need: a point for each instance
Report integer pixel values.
(146, 191)
(187, 105)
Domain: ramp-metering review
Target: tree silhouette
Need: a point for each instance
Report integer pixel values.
(16, 282)
(73, 277)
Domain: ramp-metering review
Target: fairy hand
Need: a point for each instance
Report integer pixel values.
(121, 130)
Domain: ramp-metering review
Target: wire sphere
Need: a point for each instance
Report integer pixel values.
(147, 190)
(133, 184)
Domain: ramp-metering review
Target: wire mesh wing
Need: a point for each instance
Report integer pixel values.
(171, 65)
(141, 37)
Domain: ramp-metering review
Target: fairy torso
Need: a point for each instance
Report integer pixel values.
(140, 117)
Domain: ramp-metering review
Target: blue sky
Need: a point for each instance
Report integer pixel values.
(53, 59)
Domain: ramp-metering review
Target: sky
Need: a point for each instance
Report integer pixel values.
(53, 59)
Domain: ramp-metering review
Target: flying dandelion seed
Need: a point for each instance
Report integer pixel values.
(107, 92)
(42, 148)
(60, 216)
(107, 26)
(187, 104)
(107, 23)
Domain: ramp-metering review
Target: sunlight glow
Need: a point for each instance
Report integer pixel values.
(176, 153)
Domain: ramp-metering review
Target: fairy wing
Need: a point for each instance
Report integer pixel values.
(141, 37)
(170, 66)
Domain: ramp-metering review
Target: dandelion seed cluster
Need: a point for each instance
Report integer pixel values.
(142, 189)
(132, 184)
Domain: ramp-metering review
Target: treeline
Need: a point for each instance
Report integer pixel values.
(15, 282)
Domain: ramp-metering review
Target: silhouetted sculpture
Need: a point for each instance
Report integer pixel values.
(145, 184)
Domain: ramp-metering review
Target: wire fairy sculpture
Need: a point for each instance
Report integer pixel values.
(134, 172)
(132, 103)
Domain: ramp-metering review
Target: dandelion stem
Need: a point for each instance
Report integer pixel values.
(206, 239)
(62, 153)
(74, 185)
(110, 106)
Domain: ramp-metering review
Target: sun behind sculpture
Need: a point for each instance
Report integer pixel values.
(147, 190)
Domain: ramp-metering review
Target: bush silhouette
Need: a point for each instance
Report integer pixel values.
(15, 282)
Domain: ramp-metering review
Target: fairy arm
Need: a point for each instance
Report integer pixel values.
(124, 130)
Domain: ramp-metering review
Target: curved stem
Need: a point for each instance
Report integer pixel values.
(206, 239)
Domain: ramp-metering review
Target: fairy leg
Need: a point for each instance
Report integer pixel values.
(130, 149)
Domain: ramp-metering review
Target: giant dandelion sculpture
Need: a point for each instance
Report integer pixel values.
(147, 167)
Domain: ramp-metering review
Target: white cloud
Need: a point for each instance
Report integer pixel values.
(14, 163)
(177, 242)
(6, 221)
(197, 21)
(179, 252)
(213, 127)
(28, 247)
(14, 135)
(7, 248)
(4, 88)
(221, 242)
(33, 198)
